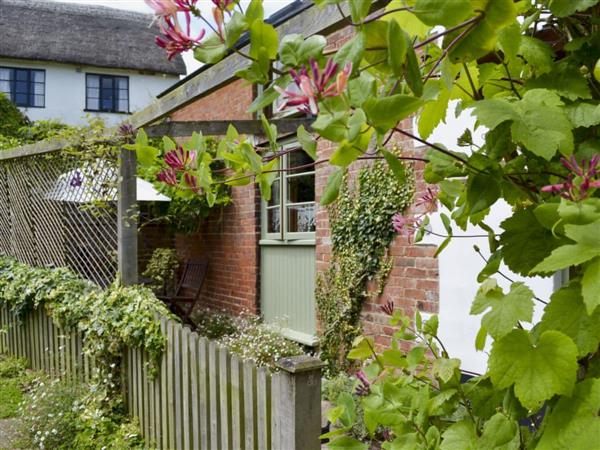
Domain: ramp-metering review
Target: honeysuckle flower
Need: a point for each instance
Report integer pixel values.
(364, 388)
(175, 40)
(191, 181)
(388, 308)
(223, 4)
(180, 159)
(315, 85)
(167, 176)
(428, 200)
(579, 181)
(219, 20)
(163, 8)
(76, 180)
(126, 130)
(404, 225)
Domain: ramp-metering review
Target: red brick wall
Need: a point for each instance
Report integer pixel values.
(230, 236)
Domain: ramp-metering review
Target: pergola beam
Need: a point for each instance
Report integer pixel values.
(219, 127)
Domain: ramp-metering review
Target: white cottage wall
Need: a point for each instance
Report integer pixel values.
(65, 91)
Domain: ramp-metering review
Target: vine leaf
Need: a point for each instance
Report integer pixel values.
(574, 421)
(566, 313)
(500, 433)
(442, 12)
(460, 436)
(346, 443)
(591, 285)
(563, 8)
(444, 368)
(385, 112)
(307, 142)
(505, 311)
(537, 371)
(332, 189)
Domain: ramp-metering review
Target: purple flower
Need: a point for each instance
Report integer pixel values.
(388, 308)
(180, 159)
(192, 182)
(579, 181)
(364, 388)
(429, 200)
(76, 180)
(175, 40)
(167, 176)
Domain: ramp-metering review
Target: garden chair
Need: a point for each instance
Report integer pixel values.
(185, 297)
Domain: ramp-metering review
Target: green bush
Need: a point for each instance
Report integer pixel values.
(12, 118)
(340, 390)
(12, 367)
(161, 269)
(213, 324)
(260, 343)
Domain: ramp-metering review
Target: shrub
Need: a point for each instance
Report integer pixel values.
(260, 343)
(341, 390)
(12, 118)
(213, 324)
(12, 367)
(161, 269)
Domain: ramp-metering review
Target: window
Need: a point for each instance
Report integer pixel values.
(290, 214)
(107, 93)
(24, 87)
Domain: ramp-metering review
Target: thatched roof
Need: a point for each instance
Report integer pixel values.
(82, 34)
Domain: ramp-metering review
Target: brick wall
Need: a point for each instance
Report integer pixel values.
(230, 236)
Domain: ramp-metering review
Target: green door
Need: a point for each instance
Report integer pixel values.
(288, 249)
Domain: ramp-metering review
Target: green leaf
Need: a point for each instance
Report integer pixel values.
(264, 40)
(574, 423)
(332, 189)
(444, 368)
(269, 95)
(566, 81)
(384, 112)
(583, 114)
(539, 370)
(460, 436)
(590, 283)
(493, 112)
(500, 433)
(211, 50)
(168, 144)
(441, 166)
(442, 12)
(352, 51)
(311, 47)
(394, 164)
(146, 155)
(397, 47)
(359, 9)
(345, 154)
(412, 70)
(567, 313)
(433, 113)
(505, 311)
(525, 242)
(537, 53)
(346, 443)
(564, 8)
(234, 28)
(255, 11)
(482, 192)
(361, 88)
(307, 142)
(491, 267)
(407, 20)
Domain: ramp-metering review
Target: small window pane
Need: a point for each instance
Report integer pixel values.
(275, 193)
(107, 83)
(39, 76)
(121, 83)
(22, 99)
(5, 87)
(38, 88)
(93, 104)
(123, 106)
(300, 159)
(5, 74)
(93, 81)
(22, 75)
(93, 93)
(301, 218)
(38, 100)
(107, 104)
(21, 87)
(301, 188)
(273, 220)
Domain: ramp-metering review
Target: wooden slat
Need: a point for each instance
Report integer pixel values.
(170, 384)
(194, 391)
(185, 389)
(177, 387)
(237, 404)
(250, 424)
(263, 401)
(213, 384)
(225, 397)
(164, 397)
(73, 342)
(204, 395)
(145, 397)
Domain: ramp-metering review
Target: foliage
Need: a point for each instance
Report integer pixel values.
(56, 415)
(259, 343)
(340, 390)
(161, 269)
(13, 377)
(213, 324)
(12, 119)
(361, 232)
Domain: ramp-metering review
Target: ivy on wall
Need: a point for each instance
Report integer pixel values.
(361, 233)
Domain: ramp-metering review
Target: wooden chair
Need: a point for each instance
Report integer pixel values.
(185, 297)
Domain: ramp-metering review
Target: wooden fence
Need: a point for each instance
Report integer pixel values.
(203, 398)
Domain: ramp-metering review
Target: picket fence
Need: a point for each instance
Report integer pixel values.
(203, 398)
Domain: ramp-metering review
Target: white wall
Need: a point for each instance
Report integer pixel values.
(65, 91)
(459, 265)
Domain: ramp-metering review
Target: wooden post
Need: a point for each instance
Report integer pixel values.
(297, 403)
(127, 219)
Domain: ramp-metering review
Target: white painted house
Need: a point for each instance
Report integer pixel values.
(65, 61)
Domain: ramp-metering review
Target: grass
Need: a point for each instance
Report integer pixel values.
(12, 378)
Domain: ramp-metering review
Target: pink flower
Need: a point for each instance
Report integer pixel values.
(174, 39)
(315, 85)
(388, 308)
(404, 224)
(167, 176)
(429, 200)
(223, 4)
(364, 388)
(163, 8)
(579, 181)
(180, 159)
(191, 181)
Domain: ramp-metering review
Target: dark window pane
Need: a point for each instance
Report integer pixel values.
(21, 87)
(274, 193)
(107, 103)
(301, 188)
(22, 99)
(39, 76)
(93, 81)
(299, 159)
(22, 75)
(107, 82)
(273, 220)
(301, 218)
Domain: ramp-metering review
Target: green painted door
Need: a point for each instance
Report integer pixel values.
(288, 250)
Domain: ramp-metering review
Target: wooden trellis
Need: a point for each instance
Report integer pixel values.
(58, 210)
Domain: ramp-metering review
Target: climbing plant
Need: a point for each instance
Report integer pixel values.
(361, 233)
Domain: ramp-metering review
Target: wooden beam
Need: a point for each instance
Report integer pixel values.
(127, 213)
(219, 127)
(313, 20)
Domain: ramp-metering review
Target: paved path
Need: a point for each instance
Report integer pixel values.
(8, 434)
